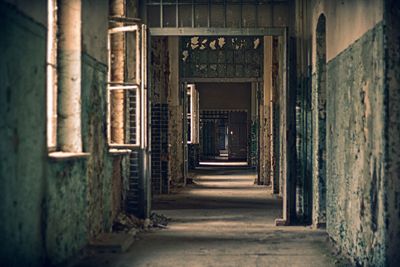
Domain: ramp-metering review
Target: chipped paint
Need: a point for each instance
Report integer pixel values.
(194, 42)
(221, 42)
(256, 43)
(185, 55)
(355, 150)
(213, 44)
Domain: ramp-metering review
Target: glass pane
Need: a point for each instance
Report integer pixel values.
(249, 16)
(169, 16)
(264, 15)
(185, 16)
(153, 16)
(232, 16)
(201, 15)
(217, 15)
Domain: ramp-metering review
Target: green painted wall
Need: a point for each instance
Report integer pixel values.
(355, 149)
(23, 138)
(48, 209)
(79, 196)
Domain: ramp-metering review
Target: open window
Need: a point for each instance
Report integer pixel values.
(127, 88)
(51, 69)
(192, 114)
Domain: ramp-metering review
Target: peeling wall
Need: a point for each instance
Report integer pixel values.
(362, 116)
(23, 139)
(50, 208)
(356, 193)
(355, 149)
(392, 86)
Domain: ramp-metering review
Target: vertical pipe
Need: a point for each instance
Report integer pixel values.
(161, 14)
(193, 14)
(209, 14)
(117, 74)
(69, 76)
(225, 10)
(177, 14)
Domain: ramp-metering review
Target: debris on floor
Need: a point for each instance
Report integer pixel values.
(159, 220)
(128, 223)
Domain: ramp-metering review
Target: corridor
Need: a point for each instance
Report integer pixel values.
(115, 114)
(222, 219)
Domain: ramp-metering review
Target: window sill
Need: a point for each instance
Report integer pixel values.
(123, 146)
(119, 152)
(60, 155)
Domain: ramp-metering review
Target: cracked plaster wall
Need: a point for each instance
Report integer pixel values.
(356, 192)
(50, 209)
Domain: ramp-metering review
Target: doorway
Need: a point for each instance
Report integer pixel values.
(224, 121)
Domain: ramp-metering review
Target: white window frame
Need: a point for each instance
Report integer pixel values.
(139, 87)
(194, 114)
(51, 75)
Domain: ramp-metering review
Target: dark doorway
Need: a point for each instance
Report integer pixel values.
(224, 121)
(237, 127)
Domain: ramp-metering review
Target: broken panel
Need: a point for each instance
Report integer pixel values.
(221, 57)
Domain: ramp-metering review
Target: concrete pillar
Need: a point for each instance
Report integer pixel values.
(176, 113)
(117, 8)
(267, 118)
(69, 135)
(287, 131)
(319, 129)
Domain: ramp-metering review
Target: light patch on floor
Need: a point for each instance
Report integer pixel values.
(223, 219)
(209, 163)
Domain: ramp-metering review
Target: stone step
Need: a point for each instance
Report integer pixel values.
(112, 242)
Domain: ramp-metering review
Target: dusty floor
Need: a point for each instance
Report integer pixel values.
(223, 219)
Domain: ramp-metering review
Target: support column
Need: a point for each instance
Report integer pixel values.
(69, 137)
(267, 118)
(117, 9)
(287, 131)
(117, 106)
(253, 145)
(176, 113)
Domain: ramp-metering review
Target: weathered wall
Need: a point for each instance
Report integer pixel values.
(392, 86)
(50, 208)
(351, 20)
(23, 138)
(355, 154)
(362, 117)
(355, 135)
(87, 183)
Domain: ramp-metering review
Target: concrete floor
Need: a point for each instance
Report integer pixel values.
(223, 219)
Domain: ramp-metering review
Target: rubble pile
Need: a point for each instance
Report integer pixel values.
(128, 223)
(159, 220)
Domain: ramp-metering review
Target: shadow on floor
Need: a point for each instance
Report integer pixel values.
(223, 219)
